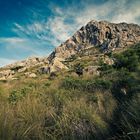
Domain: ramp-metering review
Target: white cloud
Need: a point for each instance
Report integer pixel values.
(59, 30)
(30, 29)
(6, 61)
(17, 45)
(11, 40)
(127, 13)
(53, 31)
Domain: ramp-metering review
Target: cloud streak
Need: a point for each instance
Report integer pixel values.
(5, 61)
(12, 40)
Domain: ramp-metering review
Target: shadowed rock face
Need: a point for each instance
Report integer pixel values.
(107, 36)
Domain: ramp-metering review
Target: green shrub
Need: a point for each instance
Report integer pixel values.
(129, 59)
(86, 85)
(105, 67)
(103, 84)
(71, 83)
(79, 69)
(17, 95)
(92, 99)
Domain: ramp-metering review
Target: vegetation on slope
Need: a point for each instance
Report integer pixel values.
(72, 107)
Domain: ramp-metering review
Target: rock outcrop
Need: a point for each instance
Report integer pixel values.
(9, 72)
(28, 63)
(57, 65)
(92, 70)
(104, 35)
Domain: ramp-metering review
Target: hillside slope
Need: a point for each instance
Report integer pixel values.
(65, 106)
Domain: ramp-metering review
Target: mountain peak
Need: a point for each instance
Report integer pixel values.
(108, 36)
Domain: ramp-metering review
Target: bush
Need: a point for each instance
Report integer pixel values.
(86, 85)
(128, 59)
(17, 95)
(105, 67)
(103, 84)
(71, 83)
(79, 69)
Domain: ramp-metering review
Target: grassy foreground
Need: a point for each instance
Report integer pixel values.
(72, 107)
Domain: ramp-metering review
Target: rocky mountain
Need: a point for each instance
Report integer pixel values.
(102, 36)
(105, 35)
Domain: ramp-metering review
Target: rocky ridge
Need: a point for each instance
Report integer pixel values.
(102, 35)
(9, 71)
(105, 35)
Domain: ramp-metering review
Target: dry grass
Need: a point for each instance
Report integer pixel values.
(48, 111)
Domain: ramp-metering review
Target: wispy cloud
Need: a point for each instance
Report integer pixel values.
(11, 40)
(18, 48)
(5, 61)
(66, 21)
(54, 31)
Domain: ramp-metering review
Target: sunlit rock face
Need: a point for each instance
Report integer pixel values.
(107, 36)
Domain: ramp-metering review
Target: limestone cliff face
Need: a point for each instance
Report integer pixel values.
(107, 36)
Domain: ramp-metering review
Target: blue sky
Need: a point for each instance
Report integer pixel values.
(36, 27)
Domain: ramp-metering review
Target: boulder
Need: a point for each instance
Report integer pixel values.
(6, 73)
(92, 70)
(30, 75)
(44, 70)
(22, 69)
(108, 60)
(2, 78)
(57, 65)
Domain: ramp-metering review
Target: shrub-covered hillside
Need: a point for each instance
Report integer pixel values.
(65, 106)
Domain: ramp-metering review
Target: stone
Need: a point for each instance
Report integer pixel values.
(92, 70)
(108, 60)
(27, 74)
(6, 73)
(22, 69)
(32, 75)
(22, 66)
(44, 70)
(2, 78)
(57, 65)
